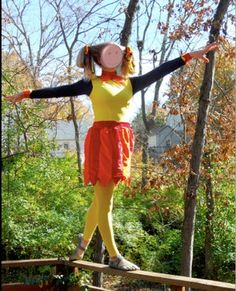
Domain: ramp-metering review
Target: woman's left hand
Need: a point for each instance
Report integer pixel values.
(200, 54)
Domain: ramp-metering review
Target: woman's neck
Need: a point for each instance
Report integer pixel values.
(110, 75)
(108, 71)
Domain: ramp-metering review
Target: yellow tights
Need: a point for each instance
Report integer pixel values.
(100, 214)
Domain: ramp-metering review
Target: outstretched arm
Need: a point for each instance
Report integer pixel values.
(79, 88)
(141, 82)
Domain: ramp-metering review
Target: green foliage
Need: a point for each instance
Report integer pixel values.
(43, 207)
(148, 237)
(24, 126)
(56, 280)
(71, 279)
(223, 221)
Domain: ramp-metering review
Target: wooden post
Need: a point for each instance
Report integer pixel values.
(99, 249)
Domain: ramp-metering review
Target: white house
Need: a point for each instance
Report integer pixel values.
(63, 133)
(161, 139)
(175, 122)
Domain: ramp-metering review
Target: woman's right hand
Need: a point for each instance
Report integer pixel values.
(18, 97)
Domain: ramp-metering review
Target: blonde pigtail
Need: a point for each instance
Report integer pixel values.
(88, 64)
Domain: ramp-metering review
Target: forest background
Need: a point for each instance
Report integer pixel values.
(43, 198)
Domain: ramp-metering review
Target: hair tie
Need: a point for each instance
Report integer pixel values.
(88, 59)
(128, 53)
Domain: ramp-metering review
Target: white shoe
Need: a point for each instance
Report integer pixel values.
(121, 263)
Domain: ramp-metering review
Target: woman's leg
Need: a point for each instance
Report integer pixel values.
(90, 226)
(91, 221)
(104, 200)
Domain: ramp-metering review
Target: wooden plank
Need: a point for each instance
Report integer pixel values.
(11, 284)
(14, 286)
(33, 262)
(201, 284)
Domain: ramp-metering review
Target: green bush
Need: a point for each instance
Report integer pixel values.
(44, 207)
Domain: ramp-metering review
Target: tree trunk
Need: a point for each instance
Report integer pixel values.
(165, 53)
(209, 266)
(145, 122)
(144, 158)
(149, 123)
(99, 249)
(197, 147)
(129, 16)
(76, 127)
(74, 119)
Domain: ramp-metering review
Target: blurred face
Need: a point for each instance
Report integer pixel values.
(111, 56)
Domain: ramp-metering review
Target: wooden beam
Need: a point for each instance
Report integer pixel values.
(33, 262)
(15, 286)
(167, 279)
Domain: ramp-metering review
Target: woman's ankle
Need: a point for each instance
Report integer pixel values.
(80, 254)
(113, 258)
(84, 244)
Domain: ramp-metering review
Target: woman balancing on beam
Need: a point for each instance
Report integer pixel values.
(110, 141)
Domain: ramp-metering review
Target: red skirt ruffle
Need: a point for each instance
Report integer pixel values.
(108, 149)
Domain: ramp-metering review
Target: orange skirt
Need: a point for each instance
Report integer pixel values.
(108, 149)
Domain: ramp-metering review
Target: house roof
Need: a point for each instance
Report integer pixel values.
(158, 130)
(64, 130)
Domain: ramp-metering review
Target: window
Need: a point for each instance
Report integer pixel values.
(168, 143)
(66, 146)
